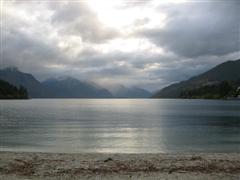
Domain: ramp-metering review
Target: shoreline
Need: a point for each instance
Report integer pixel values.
(27, 165)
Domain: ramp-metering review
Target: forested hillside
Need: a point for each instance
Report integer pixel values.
(8, 91)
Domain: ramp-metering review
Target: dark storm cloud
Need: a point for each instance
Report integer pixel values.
(197, 29)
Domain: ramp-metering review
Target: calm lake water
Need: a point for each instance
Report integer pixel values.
(119, 125)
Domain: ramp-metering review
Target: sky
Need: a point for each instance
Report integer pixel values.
(145, 43)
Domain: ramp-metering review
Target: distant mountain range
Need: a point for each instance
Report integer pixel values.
(67, 87)
(17, 78)
(120, 91)
(219, 82)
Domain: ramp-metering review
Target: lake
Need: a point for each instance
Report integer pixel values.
(119, 125)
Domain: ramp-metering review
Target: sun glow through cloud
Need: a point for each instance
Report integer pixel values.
(113, 14)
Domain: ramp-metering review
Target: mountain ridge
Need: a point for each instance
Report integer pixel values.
(227, 71)
(66, 87)
(121, 91)
(73, 88)
(17, 78)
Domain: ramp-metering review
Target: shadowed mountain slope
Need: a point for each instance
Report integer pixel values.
(228, 71)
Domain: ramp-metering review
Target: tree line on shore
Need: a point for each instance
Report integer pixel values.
(8, 91)
(222, 90)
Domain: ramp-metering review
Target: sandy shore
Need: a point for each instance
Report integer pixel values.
(55, 166)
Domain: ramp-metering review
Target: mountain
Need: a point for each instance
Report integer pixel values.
(15, 77)
(120, 91)
(220, 90)
(8, 91)
(226, 72)
(64, 87)
(68, 87)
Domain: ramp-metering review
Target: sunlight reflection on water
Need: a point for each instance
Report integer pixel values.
(119, 125)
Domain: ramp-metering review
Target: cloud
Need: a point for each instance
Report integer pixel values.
(158, 45)
(199, 29)
(76, 18)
